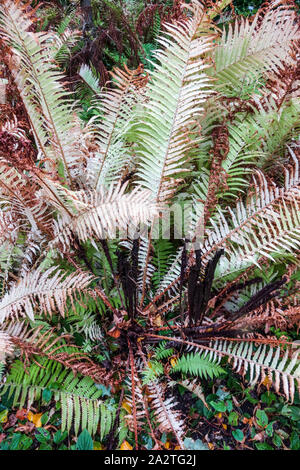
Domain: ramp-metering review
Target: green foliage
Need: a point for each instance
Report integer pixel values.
(198, 365)
(97, 325)
(84, 441)
(79, 398)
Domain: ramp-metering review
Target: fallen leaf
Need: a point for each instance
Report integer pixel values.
(114, 332)
(22, 414)
(126, 446)
(35, 419)
(173, 361)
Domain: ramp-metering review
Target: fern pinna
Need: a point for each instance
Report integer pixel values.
(97, 309)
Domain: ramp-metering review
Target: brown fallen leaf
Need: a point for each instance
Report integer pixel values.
(12, 419)
(22, 414)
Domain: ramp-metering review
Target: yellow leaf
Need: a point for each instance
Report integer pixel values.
(224, 426)
(211, 446)
(173, 361)
(126, 405)
(35, 419)
(267, 382)
(167, 445)
(177, 448)
(3, 416)
(126, 446)
(98, 446)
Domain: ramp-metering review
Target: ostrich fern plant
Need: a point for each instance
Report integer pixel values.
(215, 128)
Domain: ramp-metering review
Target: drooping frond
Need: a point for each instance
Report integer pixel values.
(251, 47)
(168, 418)
(48, 291)
(40, 85)
(81, 406)
(176, 93)
(105, 213)
(263, 362)
(267, 224)
(108, 129)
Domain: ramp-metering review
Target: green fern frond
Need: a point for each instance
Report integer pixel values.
(90, 79)
(198, 365)
(163, 352)
(176, 93)
(81, 406)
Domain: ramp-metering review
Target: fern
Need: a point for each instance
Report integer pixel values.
(84, 271)
(197, 365)
(162, 148)
(81, 406)
(251, 47)
(263, 362)
(50, 292)
(153, 370)
(163, 352)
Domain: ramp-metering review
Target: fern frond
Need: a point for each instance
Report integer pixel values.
(162, 351)
(169, 419)
(153, 370)
(81, 406)
(104, 213)
(48, 291)
(268, 224)
(197, 365)
(6, 346)
(40, 84)
(192, 386)
(176, 94)
(252, 47)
